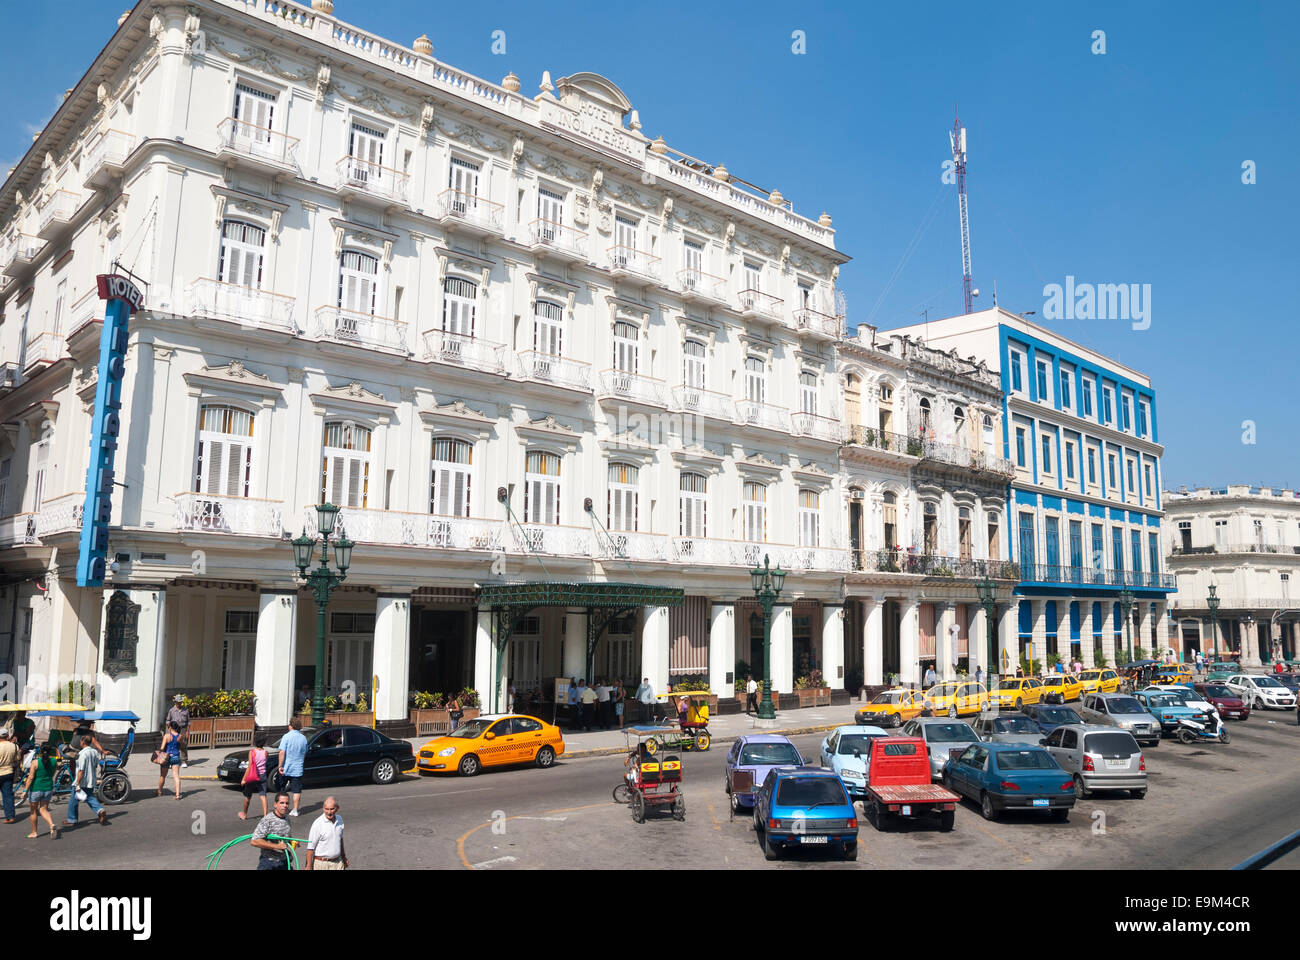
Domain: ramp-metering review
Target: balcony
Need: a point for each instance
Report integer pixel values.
(105, 158)
(1088, 576)
(458, 350)
(707, 551)
(18, 530)
(247, 306)
(873, 439)
(363, 180)
(245, 516)
(56, 214)
(704, 403)
(548, 368)
(634, 266)
(818, 427)
(929, 565)
(257, 148)
(626, 545)
(360, 329)
(818, 325)
(61, 515)
(44, 348)
(470, 214)
(956, 455)
(552, 539)
(696, 286)
(399, 529)
(10, 375)
(555, 240)
(1180, 551)
(16, 256)
(814, 558)
(754, 414)
(757, 305)
(620, 385)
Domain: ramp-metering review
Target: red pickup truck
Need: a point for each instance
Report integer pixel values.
(898, 784)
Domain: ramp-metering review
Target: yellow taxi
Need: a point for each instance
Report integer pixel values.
(957, 697)
(1017, 691)
(892, 708)
(1065, 684)
(491, 742)
(1099, 681)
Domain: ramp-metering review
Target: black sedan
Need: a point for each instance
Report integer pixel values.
(334, 753)
(1049, 716)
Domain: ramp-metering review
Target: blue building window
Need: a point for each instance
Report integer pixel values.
(1027, 543)
(1098, 554)
(1106, 406)
(1153, 544)
(1136, 542)
(1042, 381)
(1117, 549)
(1076, 549)
(1125, 408)
(1017, 384)
(1052, 536)
(1065, 389)
(1020, 446)
(1087, 397)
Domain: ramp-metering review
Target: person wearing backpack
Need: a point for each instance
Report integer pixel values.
(255, 775)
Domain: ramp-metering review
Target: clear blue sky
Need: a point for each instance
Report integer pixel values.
(1124, 167)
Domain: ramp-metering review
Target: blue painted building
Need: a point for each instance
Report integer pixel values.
(1084, 505)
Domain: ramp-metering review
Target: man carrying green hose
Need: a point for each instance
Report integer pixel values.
(273, 851)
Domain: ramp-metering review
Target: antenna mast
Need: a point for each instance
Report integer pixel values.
(958, 140)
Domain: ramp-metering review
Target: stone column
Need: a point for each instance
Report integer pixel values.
(392, 657)
(782, 648)
(945, 617)
(654, 648)
(1039, 611)
(909, 644)
(873, 640)
(140, 690)
(722, 649)
(1108, 625)
(273, 656)
(978, 640)
(1162, 629)
(833, 645)
(574, 661)
(1086, 641)
(1008, 637)
(485, 659)
(1145, 629)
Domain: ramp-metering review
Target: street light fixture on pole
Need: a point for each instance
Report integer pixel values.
(322, 582)
(767, 587)
(1212, 601)
(988, 591)
(1126, 608)
(1247, 625)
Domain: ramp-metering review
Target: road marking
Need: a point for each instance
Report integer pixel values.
(714, 816)
(552, 819)
(460, 843)
(440, 793)
(491, 863)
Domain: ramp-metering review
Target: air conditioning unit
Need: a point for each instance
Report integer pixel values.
(857, 495)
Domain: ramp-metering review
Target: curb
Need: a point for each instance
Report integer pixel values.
(618, 751)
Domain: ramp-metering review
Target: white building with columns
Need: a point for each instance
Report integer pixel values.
(515, 339)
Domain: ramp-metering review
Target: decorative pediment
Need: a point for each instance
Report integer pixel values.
(758, 464)
(553, 167)
(750, 242)
(698, 457)
(549, 430)
(236, 202)
(355, 397)
(689, 218)
(929, 491)
(620, 308)
(540, 286)
(702, 329)
(628, 446)
(629, 196)
(348, 233)
(458, 415)
(234, 379)
(812, 474)
(586, 87)
(477, 268)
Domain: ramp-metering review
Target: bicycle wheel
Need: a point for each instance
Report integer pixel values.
(623, 793)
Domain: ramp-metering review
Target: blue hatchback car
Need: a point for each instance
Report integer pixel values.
(758, 754)
(805, 807)
(1011, 776)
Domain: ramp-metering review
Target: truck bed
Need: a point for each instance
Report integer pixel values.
(912, 793)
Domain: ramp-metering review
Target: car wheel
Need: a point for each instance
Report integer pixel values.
(114, 788)
(1257, 703)
(952, 711)
(946, 820)
(1154, 743)
(735, 804)
(545, 757)
(758, 821)
(1138, 794)
(1061, 814)
(623, 793)
(1081, 788)
(986, 807)
(469, 765)
(770, 852)
(1020, 704)
(879, 817)
(898, 720)
(851, 851)
(384, 770)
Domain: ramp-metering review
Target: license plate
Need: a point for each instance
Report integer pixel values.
(814, 840)
(223, 774)
(1041, 803)
(1116, 763)
(907, 810)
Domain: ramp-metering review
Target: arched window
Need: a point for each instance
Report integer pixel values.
(889, 520)
(930, 528)
(853, 401)
(542, 488)
(986, 432)
(224, 467)
(810, 513)
(625, 346)
(459, 304)
(755, 380)
(694, 365)
(808, 392)
(345, 468)
(755, 509)
(693, 505)
(548, 328)
(886, 408)
(242, 245)
(358, 282)
(958, 417)
(925, 416)
(450, 483)
(622, 499)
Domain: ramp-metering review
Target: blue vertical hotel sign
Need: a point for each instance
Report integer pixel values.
(124, 298)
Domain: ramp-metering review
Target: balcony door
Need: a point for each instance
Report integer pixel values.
(542, 489)
(548, 328)
(755, 512)
(963, 533)
(624, 240)
(366, 148)
(450, 484)
(358, 286)
(693, 505)
(1076, 544)
(550, 211)
(1052, 536)
(345, 470)
(693, 365)
(463, 181)
(254, 115)
(1026, 545)
(224, 466)
(460, 298)
(693, 258)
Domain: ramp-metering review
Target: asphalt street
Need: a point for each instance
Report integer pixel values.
(1209, 806)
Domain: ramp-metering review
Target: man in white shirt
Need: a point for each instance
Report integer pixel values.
(603, 705)
(645, 695)
(325, 842)
(751, 696)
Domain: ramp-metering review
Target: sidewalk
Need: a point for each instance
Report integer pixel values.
(596, 743)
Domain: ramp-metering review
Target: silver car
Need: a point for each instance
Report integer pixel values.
(1099, 758)
(1121, 710)
(1010, 727)
(941, 735)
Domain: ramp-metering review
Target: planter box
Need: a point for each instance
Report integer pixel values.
(201, 729)
(814, 697)
(234, 731)
(430, 722)
(342, 718)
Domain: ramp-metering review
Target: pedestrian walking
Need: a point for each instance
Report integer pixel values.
(587, 697)
(603, 705)
(169, 758)
(272, 856)
(620, 698)
(293, 751)
(645, 696)
(751, 695)
(454, 712)
(40, 788)
(180, 715)
(84, 782)
(325, 841)
(979, 674)
(930, 677)
(11, 759)
(22, 731)
(255, 776)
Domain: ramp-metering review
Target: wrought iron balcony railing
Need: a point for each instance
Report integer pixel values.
(548, 368)
(706, 403)
(473, 213)
(363, 178)
(818, 324)
(57, 212)
(361, 329)
(884, 440)
(459, 350)
(627, 261)
(756, 414)
(106, 156)
(243, 516)
(830, 429)
(632, 386)
(695, 284)
(251, 142)
(556, 238)
(755, 304)
(248, 306)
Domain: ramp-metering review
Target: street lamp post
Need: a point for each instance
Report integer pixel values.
(322, 582)
(1247, 625)
(1126, 608)
(988, 592)
(1212, 601)
(767, 587)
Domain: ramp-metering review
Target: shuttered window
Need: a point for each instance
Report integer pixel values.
(224, 467)
(810, 518)
(693, 520)
(542, 488)
(450, 484)
(242, 245)
(622, 503)
(625, 347)
(693, 365)
(345, 467)
(358, 282)
(548, 328)
(755, 507)
(459, 299)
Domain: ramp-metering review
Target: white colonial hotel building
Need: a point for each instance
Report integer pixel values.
(511, 336)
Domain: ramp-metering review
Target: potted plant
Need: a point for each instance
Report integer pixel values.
(812, 690)
(224, 718)
(355, 713)
(429, 713)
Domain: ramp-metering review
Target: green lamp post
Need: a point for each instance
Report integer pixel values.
(1126, 609)
(988, 592)
(322, 582)
(1212, 601)
(767, 587)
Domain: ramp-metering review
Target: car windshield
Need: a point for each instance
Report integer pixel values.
(1163, 700)
(471, 729)
(1124, 705)
(1181, 697)
(888, 698)
(770, 754)
(810, 792)
(1026, 760)
(949, 733)
(1111, 744)
(942, 690)
(1014, 725)
(854, 741)
(1053, 681)
(1219, 690)
(1058, 715)
(1266, 682)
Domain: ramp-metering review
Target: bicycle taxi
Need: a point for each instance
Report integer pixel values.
(653, 777)
(114, 786)
(684, 729)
